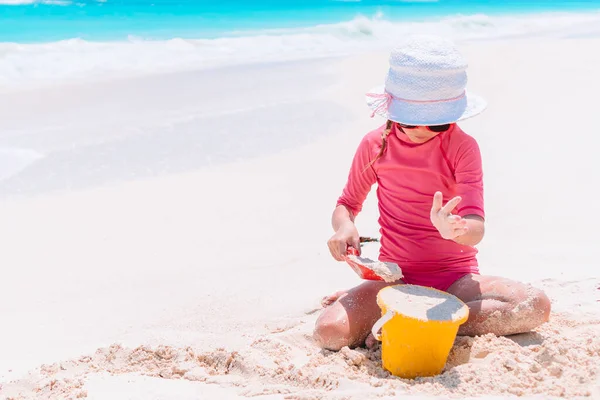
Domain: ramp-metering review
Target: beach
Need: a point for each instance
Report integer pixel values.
(164, 235)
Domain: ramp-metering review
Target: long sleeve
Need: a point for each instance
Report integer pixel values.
(361, 177)
(469, 180)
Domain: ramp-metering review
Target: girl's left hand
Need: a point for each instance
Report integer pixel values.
(450, 226)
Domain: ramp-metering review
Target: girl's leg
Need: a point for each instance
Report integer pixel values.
(500, 306)
(349, 319)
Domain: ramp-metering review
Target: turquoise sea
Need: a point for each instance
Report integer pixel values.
(55, 40)
(53, 20)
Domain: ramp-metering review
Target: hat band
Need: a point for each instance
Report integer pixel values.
(385, 99)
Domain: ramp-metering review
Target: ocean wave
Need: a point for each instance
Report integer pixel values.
(76, 59)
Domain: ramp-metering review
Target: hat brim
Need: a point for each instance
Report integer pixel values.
(427, 114)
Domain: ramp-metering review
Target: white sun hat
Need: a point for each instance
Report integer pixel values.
(425, 85)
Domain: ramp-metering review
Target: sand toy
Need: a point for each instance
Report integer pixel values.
(418, 328)
(373, 270)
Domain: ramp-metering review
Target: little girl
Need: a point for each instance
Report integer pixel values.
(430, 197)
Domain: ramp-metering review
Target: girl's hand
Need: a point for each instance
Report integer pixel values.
(449, 226)
(346, 235)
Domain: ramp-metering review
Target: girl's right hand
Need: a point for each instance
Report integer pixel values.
(346, 235)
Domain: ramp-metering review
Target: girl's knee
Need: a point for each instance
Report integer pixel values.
(332, 332)
(541, 304)
(534, 307)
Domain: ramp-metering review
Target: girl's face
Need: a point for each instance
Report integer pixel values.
(419, 134)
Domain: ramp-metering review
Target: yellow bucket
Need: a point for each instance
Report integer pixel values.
(418, 328)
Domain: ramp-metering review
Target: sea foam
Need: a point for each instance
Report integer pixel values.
(76, 59)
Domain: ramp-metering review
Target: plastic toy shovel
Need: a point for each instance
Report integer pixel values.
(371, 270)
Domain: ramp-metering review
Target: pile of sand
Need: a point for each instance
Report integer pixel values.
(423, 303)
(560, 359)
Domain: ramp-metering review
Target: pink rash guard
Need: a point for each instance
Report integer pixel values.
(407, 176)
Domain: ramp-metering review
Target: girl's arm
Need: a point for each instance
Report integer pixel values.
(361, 178)
(475, 231)
(341, 217)
(466, 230)
(469, 179)
(345, 234)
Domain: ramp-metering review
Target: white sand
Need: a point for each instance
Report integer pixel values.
(173, 246)
(423, 304)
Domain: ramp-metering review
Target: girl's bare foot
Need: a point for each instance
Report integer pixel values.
(329, 300)
(370, 342)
